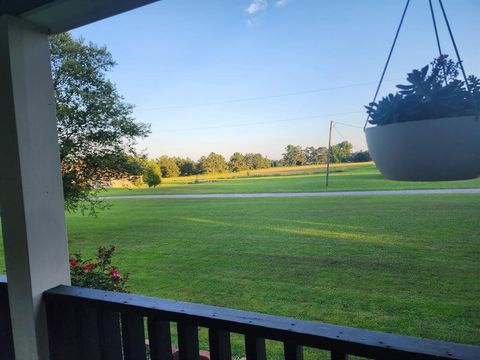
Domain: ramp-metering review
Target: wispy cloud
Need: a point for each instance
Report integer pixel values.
(257, 6)
(281, 3)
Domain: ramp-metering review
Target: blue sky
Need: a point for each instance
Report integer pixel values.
(257, 75)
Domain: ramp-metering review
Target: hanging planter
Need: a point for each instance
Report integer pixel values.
(427, 150)
(430, 129)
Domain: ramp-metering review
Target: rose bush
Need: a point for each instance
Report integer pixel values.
(97, 273)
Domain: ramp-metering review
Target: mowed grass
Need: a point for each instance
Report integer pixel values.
(400, 264)
(404, 264)
(307, 179)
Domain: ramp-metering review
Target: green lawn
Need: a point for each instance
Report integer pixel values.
(402, 264)
(364, 177)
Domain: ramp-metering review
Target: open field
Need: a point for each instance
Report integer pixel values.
(273, 171)
(349, 177)
(407, 265)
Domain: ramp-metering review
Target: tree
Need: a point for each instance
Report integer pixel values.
(316, 155)
(213, 163)
(96, 130)
(168, 166)
(257, 161)
(152, 174)
(361, 156)
(276, 163)
(341, 152)
(237, 162)
(294, 155)
(187, 166)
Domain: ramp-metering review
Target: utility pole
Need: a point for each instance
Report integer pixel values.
(329, 151)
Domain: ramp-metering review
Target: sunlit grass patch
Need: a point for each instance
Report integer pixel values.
(344, 177)
(406, 265)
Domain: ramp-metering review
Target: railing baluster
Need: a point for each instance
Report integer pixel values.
(292, 351)
(89, 333)
(110, 334)
(188, 341)
(6, 338)
(338, 356)
(159, 338)
(133, 337)
(255, 348)
(220, 347)
(63, 330)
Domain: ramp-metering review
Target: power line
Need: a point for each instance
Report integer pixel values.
(263, 122)
(276, 121)
(349, 125)
(266, 97)
(338, 132)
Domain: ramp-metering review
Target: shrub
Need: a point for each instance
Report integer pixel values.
(97, 273)
(152, 174)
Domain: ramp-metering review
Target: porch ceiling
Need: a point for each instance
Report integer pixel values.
(17, 7)
(63, 15)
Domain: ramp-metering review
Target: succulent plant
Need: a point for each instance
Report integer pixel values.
(429, 95)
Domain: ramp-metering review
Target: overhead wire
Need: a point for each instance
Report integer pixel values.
(338, 132)
(213, 127)
(276, 121)
(350, 125)
(256, 98)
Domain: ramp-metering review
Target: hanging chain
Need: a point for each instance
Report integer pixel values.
(435, 27)
(440, 53)
(388, 58)
(454, 44)
(459, 58)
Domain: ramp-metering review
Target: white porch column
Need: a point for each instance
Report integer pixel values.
(31, 196)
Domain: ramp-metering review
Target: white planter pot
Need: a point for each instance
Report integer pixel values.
(427, 150)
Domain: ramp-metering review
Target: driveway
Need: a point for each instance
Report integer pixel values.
(299, 194)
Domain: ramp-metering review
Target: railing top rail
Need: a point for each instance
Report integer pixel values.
(308, 333)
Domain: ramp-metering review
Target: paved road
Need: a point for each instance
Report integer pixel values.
(301, 194)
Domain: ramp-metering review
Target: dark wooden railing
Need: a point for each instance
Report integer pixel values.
(95, 324)
(88, 320)
(6, 341)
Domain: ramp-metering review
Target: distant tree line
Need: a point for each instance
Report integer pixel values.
(212, 163)
(172, 166)
(294, 155)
